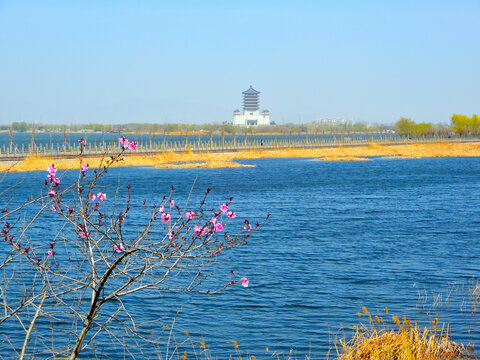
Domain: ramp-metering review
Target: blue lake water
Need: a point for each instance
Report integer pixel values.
(396, 233)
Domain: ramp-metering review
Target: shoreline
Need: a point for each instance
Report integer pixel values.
(226, 159)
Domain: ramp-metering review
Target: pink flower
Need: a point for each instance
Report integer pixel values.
(218, 227)
(244, 282)
(224, 207)
(166, 217)
(81, 141)
(118, 248)
(57, 181)
(123, 142)
(50, 253)
(84, 168)
(83, 234)
(247, 227)
(54, 209)
(190, 215)
(170, 235)
(172, 203)
(93, 197)
(214, 220)
(52, 192)
(101, 196)
(51, 178)
(197, 229)
(132, 145)
(162, 209)
(231, 214)
(52, 170)
(205, 230)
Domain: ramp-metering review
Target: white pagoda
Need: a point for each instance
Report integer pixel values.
(251, 115)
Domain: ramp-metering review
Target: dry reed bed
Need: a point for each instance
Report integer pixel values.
(377, 341)
(227, 159)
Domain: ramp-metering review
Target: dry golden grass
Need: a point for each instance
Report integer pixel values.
(342, 158)
(408, 342)
(161, 160)
(402, 345)
(35, 163)
(225, 159)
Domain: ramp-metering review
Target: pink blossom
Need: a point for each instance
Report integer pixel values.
(52, 170)
(205, 230)
(118, 248)
(162, 209)
(101, 196)
(170, 235)
(50, 253)
(83, 234)
(172, 203)
(81, 141)
(51, 178)
(231, 214)
(224, 207)
(52, 192)
(190, 215)
(124, 142)
(132, 145)
(84, 168)
(218, 227)
(244, 282)
(214, 220)
(93, 197)
(247, 227)
(166, 217)
(54, 209)
(197, 229)
(57, 181)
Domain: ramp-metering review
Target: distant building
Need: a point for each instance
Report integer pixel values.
(334, 123)
(251, 115)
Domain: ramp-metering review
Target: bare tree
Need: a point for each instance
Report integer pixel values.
(67, 296)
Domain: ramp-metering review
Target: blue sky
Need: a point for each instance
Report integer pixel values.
(189, 61)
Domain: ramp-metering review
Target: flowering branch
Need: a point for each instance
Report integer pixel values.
(82, 274)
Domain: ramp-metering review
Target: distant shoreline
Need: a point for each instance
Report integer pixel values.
(227, 159)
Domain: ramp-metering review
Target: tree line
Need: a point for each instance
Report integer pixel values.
(460, 124)
(464, 125)
(289, 128)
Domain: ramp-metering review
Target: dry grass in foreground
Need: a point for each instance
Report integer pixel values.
(188, 159)
(408, 342)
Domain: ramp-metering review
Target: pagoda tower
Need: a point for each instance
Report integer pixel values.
(251, 101)
(251, 106)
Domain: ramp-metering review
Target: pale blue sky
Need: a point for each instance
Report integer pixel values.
(189, 61)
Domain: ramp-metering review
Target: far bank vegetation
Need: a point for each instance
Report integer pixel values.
(462, 125)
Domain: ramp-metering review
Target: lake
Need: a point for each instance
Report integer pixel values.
(396, 233)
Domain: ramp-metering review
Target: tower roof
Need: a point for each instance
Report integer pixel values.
(251, 90)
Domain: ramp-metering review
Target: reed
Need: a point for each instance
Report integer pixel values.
(189, 159)
(407, 341)
(181, 347)
(476, 297)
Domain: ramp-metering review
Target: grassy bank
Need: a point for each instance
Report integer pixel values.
(227, 159)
